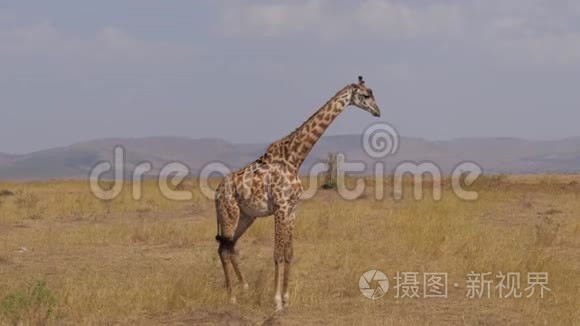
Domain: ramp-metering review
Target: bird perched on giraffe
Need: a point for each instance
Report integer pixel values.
(270, 186)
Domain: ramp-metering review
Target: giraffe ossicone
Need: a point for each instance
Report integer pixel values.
(270, 186)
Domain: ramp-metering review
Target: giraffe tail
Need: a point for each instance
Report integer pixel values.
(220, 238)
(225, 242)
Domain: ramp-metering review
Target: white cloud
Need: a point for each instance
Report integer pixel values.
(574, 6)
(327, 19)
(534, 32)
(396, 71)
(508, 27)
(28, 39)
(110, 44)
(540, 50)
(515, 31)
(398, 20)
(272, 19)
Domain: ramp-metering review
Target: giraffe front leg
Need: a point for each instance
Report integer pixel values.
(288, 254)
(278, 259)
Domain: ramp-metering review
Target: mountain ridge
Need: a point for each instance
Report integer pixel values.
(493, 154)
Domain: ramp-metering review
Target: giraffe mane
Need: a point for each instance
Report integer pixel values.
(293, 133)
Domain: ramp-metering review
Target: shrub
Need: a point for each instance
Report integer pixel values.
(35, 302)
(6, 193)
(330, 176)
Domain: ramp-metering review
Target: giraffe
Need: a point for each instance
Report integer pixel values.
(270, 186)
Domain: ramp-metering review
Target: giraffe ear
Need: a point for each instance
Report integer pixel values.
(360, 80)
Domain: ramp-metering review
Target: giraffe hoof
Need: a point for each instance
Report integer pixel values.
(246, 287)
(233, 300)
(278, 303)
(285, 301)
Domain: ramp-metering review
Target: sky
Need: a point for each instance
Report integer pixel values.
(252, 71)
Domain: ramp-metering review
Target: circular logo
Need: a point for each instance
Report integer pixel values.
(380, 140)
(373, 284)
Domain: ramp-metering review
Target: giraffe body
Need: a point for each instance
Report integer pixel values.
(271, 186)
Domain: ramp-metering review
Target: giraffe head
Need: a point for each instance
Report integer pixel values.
(362, 97)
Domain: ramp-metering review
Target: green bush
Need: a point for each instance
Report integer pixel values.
(34, 303)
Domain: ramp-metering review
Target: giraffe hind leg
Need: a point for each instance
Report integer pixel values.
(235, 264)
(224, 251)
(244, 223)
(228, 218)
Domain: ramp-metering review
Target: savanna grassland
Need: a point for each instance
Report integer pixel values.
(67, 257)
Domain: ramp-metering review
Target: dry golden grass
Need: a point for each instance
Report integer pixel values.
(67, 257)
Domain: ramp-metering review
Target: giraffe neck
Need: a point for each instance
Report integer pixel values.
(300, 142)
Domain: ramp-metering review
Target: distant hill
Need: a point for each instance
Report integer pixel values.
(494, 155)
